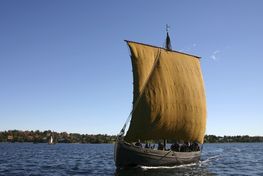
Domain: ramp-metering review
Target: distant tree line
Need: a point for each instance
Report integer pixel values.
(64, 137)
(225, 139)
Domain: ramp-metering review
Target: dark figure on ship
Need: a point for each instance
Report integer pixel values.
(175, 147)
(147, 145)
(195, 147)
(138, 144)
(160, 146)
(185, 147)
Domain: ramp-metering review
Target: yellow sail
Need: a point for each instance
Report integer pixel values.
(169, 97)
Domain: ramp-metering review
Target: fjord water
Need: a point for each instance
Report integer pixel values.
(97, 159)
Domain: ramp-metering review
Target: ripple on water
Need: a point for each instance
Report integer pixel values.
(95, 159)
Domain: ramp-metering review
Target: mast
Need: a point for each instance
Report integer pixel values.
(168, 45)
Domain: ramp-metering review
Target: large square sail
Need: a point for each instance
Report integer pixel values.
(169, 97)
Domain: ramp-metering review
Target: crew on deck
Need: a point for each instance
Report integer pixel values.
(160, 146)
(175, 147)
(147, 145)
(194, 146)
(138, 143)
(185, 147)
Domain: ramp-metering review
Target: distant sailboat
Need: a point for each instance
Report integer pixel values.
(51, 140)
(168, 103)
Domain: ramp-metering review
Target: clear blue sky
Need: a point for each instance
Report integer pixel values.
(65, 67)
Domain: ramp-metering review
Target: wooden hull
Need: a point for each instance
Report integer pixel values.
(128, 155)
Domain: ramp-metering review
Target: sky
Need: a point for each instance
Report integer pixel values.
(64, 65)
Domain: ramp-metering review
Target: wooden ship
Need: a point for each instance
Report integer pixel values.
(168, 103)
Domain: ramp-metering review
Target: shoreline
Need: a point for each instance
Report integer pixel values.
(64, 137)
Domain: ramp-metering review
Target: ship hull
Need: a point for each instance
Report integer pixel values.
(128, 155)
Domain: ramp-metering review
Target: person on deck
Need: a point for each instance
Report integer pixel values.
(175, 147)
(147, 145)
(138, 144)
(160, 146)
(194, 146)
(185, 147)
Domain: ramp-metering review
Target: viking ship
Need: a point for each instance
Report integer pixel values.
(168, 104)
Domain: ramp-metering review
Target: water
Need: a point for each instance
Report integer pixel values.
(97, 159)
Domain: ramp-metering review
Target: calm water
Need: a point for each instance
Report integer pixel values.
(97, 159)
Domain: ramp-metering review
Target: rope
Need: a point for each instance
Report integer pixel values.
(165, 155)
(140, 95)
